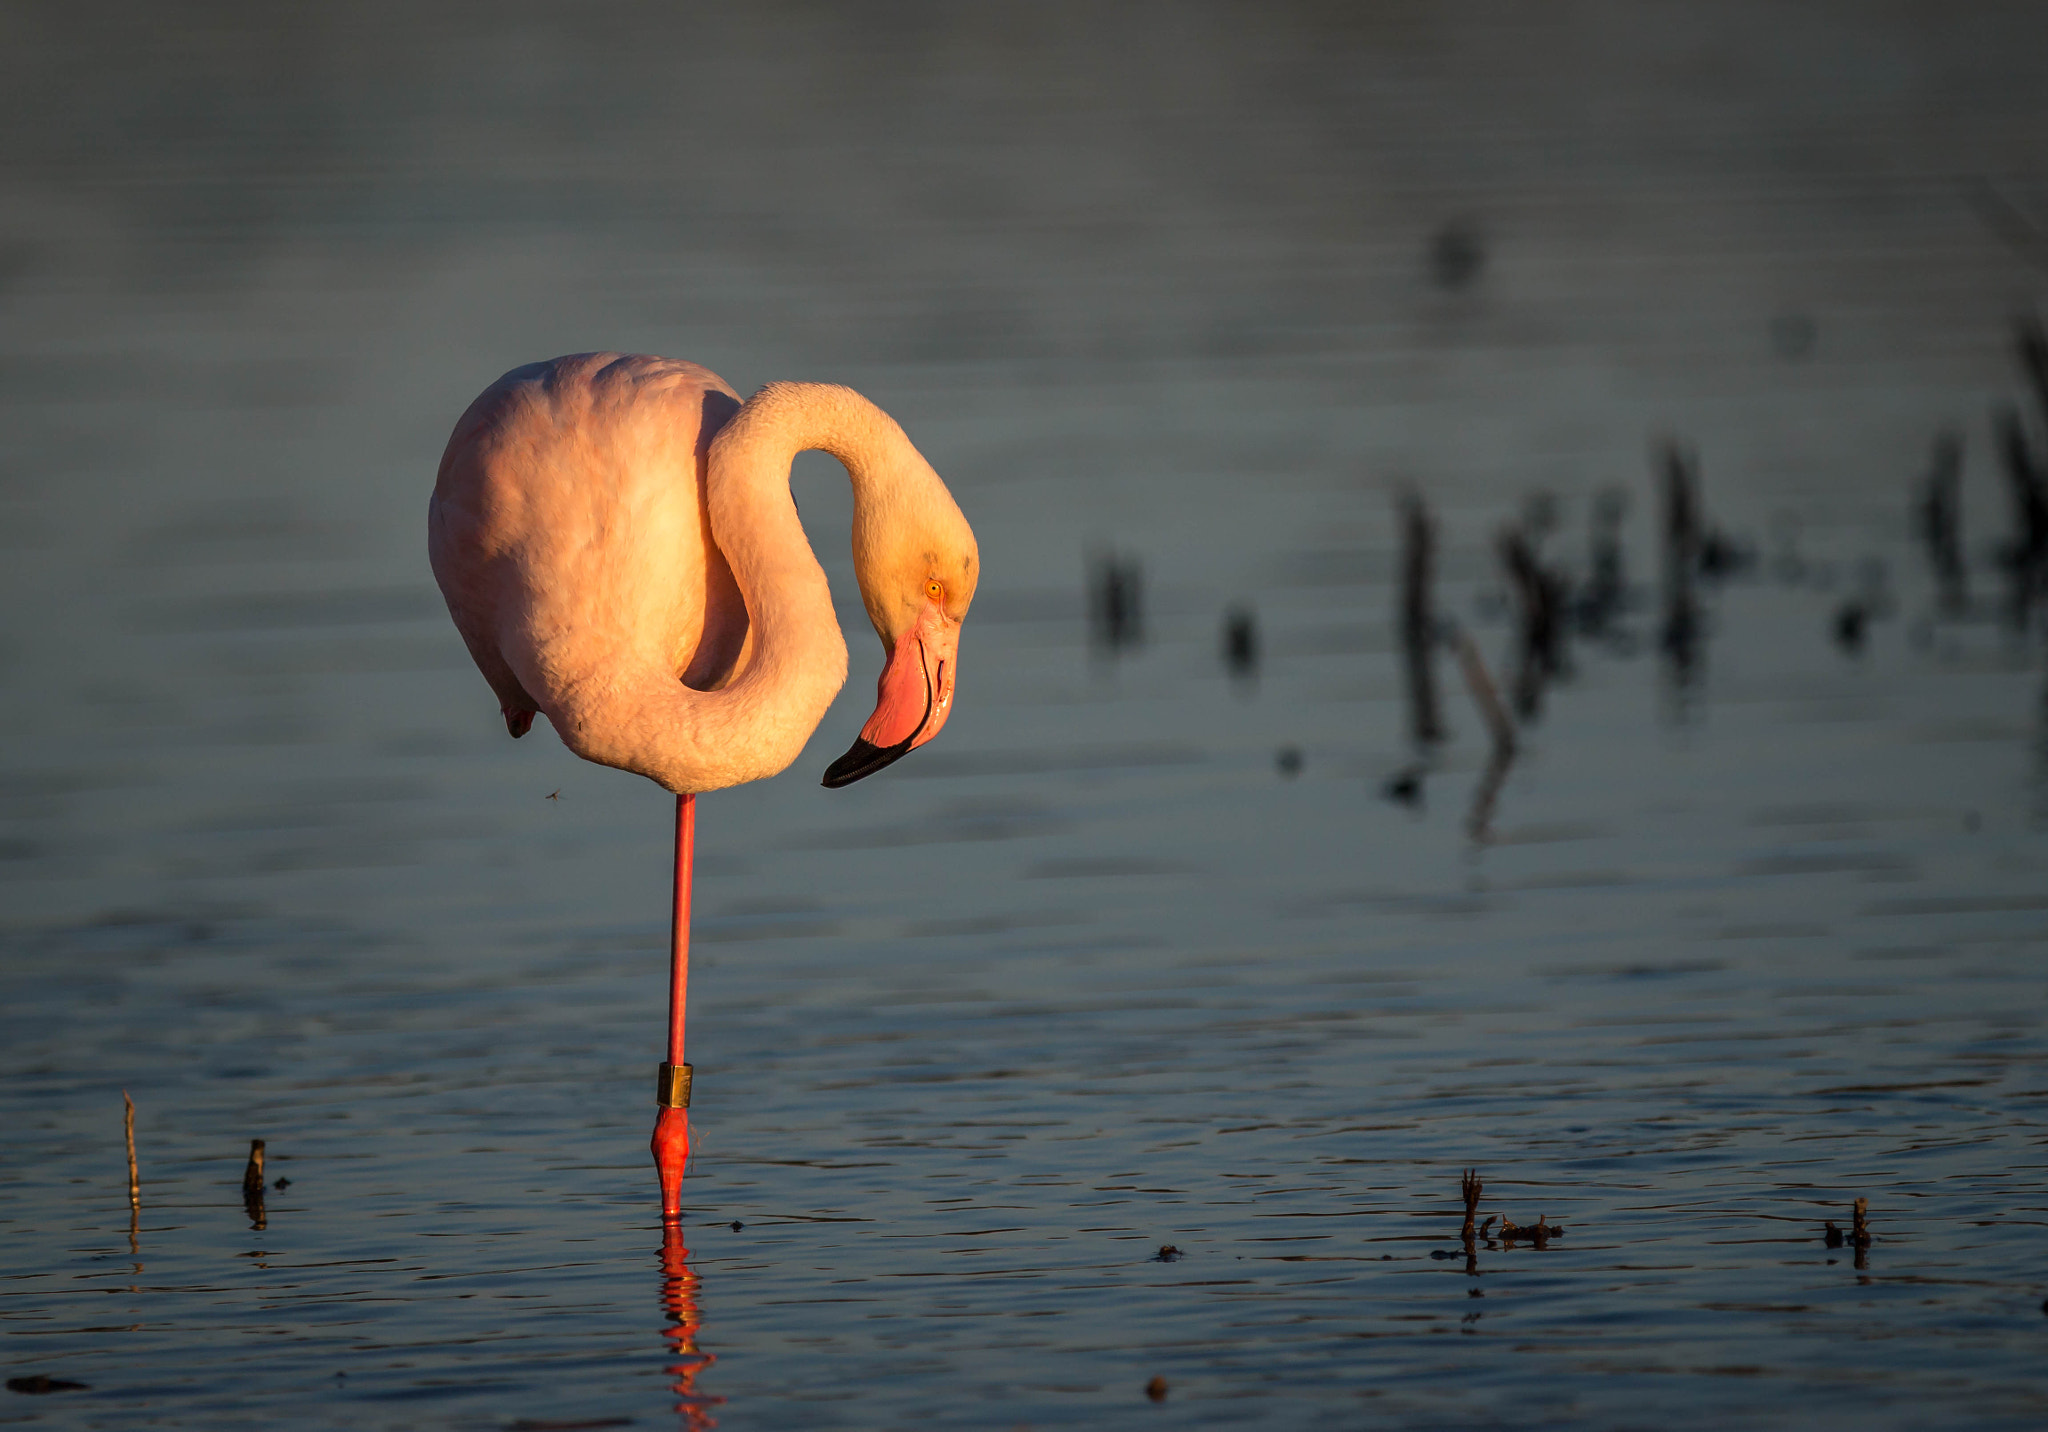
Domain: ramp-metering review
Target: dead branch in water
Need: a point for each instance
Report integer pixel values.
(1680, 634)
(1418, 620)
(1538, 1232)
(1939, 516)
(134, 1176)
(252, 1185)
(1485, 695)
(2026, 556)
(128, 1127)
(1540, 597)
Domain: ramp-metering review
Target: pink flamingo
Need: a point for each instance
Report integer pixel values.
(617, 543)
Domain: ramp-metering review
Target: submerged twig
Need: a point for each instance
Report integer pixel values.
(1539, 598)
(40, 1384)
(1485, 795)
(1418, 620)
(1858, 1236)
(1485, 695)
(1472, 1233)
(1538, 1232)
(1680, 636)
(1502, 727)
(1116, 607)
(252, 1184)
(134, 1175)
(1405, 785)
(1940, 518)
(2026, 557)
(1241, 643)
(128, 1128)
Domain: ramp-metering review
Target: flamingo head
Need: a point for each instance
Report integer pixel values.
(917, 614)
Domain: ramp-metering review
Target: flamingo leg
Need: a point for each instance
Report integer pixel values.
(671, 1142)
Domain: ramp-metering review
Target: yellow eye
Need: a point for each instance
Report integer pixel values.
(934, 590)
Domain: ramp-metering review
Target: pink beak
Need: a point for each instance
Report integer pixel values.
(913, 698)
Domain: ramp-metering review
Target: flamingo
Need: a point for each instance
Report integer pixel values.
(616, 540)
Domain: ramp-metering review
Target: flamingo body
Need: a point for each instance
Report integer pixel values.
(618, 548)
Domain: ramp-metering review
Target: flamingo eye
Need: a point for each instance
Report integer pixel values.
(934, 590)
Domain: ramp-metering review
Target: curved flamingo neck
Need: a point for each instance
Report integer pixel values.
(795, 657)
(793, 662)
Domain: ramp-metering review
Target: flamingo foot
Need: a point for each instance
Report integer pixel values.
(671, 1146)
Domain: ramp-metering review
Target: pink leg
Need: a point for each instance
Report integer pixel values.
(671, 1143)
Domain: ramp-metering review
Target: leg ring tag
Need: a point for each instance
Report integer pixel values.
(672, 1086)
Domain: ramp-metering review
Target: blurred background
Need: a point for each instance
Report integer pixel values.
(1178, 928)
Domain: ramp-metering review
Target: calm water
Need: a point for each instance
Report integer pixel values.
(1091, 975)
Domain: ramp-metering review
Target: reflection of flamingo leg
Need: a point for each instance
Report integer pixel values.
(679, 1302)
(671, 1143)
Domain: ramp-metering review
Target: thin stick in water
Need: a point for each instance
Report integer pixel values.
(128, 1127)
(252, 1185)
(1479, 822)
(134, 1178)
(1418, 620)
(1939, 514)
(1485, 695)
(1539, 598)
(1682, 541)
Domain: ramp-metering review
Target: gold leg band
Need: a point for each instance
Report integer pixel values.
(672, 1086)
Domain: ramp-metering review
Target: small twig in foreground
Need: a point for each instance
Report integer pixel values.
(1471, 1187)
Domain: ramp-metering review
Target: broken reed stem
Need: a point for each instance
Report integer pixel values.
(134, 1179)
(1682, 539)
(1540, 600)
(252, 1185)
(1941, 520)
(1859, 1232)
(1485, 695)
(128, 1127)
(1418, 620)
(1470, 1186)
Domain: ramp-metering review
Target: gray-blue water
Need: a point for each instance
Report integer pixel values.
(1090, 975)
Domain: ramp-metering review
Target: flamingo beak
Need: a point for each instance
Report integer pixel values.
(913, 698)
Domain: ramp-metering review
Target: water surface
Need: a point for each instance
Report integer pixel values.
(1090, 976)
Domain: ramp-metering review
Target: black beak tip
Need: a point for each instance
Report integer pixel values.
(864, 759)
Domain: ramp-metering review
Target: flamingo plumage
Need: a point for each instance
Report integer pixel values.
(617, 544)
